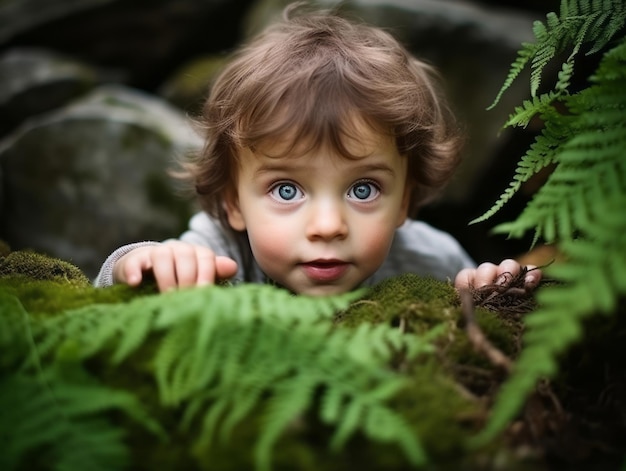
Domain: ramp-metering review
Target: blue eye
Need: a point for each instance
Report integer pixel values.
(285, 192)
(363, 191)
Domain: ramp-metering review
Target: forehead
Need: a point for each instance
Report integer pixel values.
(354, 140)
(371, 152)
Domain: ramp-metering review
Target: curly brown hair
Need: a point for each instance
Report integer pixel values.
(306, 77)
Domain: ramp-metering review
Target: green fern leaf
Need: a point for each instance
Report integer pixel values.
(287, 403)
(15, 342)
(538, 105)
(47, 412)
(386, 427)
(608, 23)
(352, 415)
(579, 23)
(542, 57)
(541, 154)
(523, 57)
(137, 331)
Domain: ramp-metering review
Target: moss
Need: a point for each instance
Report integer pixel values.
(41, 267)
(422, 301)
(46, 285)
(50, 297)
(498, 332)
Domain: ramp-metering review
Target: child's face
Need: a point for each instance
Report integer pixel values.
(320, 223)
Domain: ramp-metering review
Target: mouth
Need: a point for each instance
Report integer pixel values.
(325, 270)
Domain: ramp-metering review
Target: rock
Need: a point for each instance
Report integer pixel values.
(34, 81)
(83, 180)
(144, 40)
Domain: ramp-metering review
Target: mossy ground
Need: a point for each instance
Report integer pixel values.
(446, 399)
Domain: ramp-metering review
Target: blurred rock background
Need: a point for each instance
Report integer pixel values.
(97, 97)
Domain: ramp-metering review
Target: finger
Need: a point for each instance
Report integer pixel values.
(205, 266)
(533, 277)
(163, 267)
(211, 267)
(506, 271)
(185, 265)
(130, 268)
(486, 274)
(225, 267)
(464, 279)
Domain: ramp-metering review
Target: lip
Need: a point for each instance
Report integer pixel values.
(325, 270)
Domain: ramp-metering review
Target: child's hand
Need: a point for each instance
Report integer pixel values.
(489, 273)
(173, 264)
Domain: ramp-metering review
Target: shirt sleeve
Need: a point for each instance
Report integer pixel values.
(105, 276)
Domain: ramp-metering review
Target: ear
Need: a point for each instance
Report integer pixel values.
(233, 211)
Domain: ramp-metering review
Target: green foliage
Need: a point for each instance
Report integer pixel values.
(581, 206)
(216, 355)
(56, 409)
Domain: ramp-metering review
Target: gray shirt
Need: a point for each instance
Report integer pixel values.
(416, 248)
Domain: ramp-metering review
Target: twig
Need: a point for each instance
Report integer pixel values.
(476, 336)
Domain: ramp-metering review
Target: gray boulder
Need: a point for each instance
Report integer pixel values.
(33, 81)
(81, 181)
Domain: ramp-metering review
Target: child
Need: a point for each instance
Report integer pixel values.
(323, 136)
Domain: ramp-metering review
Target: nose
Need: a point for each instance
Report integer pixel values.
(326, 221)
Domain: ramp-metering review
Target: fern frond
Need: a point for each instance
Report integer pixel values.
(552, 211)
(541, 154)
(581, 205)
(82, 331)
(538, 105)
(565, 74)
(287, 403)
(320, 357)
(63, 419)
(598, 109)
(226, 349)
(14, 332)
(593, 278)
(590, 161)
(608, 24)
(546, 50)
(524, 56)
(580, 22)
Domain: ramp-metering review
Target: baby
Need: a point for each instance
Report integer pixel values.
(323, 138)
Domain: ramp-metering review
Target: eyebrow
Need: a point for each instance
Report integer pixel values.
(377, 167)
(369, 167)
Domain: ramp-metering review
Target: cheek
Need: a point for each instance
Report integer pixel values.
(269, 242)
(374, 244)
